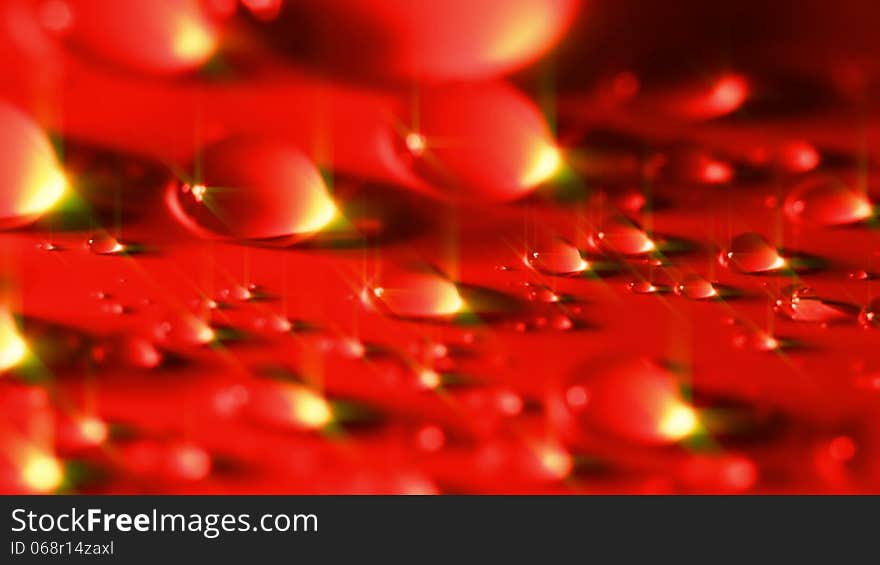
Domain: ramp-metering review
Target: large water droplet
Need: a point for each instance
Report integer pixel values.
(557, 258)
(31, 178)
(451, 144)
(696, 287)
(162, 36)
(829, 202)
(253, 189)
(638, 400)
(750, 253)
(415, 295)
(618, 235)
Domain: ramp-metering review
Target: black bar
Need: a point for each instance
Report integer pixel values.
(461, 529)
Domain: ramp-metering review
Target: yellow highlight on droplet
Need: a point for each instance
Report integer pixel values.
(13, 348)
(678, 422)
(547, 163)
(321, 212)
(194, 42)
(45, 189)
(308, 409)
(42, 473)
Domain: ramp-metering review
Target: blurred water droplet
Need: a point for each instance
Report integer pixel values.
(827, 202)
(496, 156)
(32, 179)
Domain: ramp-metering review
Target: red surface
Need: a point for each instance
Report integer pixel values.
(453, 359)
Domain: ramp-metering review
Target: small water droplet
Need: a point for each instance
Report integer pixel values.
(236, 293)
(185, 329)
(561, 322)
(757, 340)
(646, 287)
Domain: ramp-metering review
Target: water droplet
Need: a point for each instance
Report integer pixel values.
(430, 438)
(750, 253)
(557, 258)
(827, 202)
(105, 244)
(274, 323)
(163, 36)
(638, 400)
(696, 287)
(799, 303)
(13, 348)
(704, 101)
(188, 462)
(253, 189)
(469, 153)
(798, 156)
(539, 293)
(869, 317)
(757, 340)
(842, 448)
(236, 293)
(415, 295)
(32, 179)
(646, 287)
(185, 329)
(561, 322)
(619, 236)
(290, 405)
